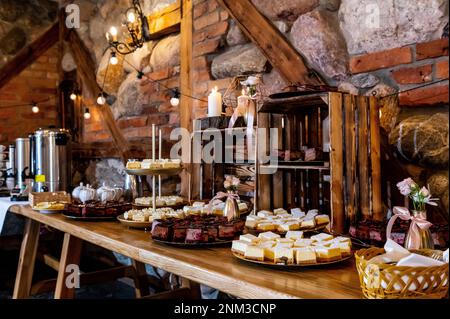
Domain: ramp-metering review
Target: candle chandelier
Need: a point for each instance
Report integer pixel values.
(138, 28)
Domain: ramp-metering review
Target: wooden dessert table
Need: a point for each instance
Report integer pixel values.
(215, 267)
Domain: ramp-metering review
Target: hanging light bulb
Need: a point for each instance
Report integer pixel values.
(131, 17)
(113, 60)
(113, 32)
(73, 96)
(87, 114)
(175, 100)
(101, 99)
(34, 108)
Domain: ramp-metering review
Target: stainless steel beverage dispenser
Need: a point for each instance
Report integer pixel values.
(53, 160)
(23, 160)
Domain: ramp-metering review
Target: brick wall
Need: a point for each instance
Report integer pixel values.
(38, 82)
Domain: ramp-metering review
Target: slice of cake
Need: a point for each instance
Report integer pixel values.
(284, 227)
(252, 221)
(268, 247)
(296, 212)
(305, 255)
(264, 213)
(308, 223)
(294, 234)
(345, 248)
(250, 238)
(280, 211)
(133, 165)
(266, 226)
(327, 254)
(322, 219)
(268, 236)
(303, 242)
(283, 254)
(322, 237)
(254, 252)
(242, 207)
(239, 246)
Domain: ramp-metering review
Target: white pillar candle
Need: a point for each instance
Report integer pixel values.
(153, 142)
(160, 145)
(215, 103)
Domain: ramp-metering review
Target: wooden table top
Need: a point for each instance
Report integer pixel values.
(215, 267)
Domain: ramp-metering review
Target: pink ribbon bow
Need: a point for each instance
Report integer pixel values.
(221, 195)
(417, 223)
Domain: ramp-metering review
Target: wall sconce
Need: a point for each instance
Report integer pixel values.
(138, 29)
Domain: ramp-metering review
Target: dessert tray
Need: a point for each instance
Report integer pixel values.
(284, 264)
(280, 221)
(133, 223)
(88, 218)
(194, 245)
(96, 211)
(154, 171)
(50, 207)
(196, 231)
(175, 202)
(293, 250)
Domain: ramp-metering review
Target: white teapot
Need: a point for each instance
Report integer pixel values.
(76, 191)
(87, 194)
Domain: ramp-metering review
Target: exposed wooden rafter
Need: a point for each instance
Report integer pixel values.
(29, 54)
(280, 53)
(166, 21)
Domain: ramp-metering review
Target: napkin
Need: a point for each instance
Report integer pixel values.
(394, 253)
(415, 260)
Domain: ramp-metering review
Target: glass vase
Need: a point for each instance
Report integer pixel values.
(231, 210)
(426, 241)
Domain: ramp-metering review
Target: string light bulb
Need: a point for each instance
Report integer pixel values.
(131, 17)
(73, 96)
(35, 108)
(113, 60)
(101, 99)
(175, 100)
(87, 114)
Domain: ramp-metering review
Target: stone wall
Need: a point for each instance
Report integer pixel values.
(38, 82)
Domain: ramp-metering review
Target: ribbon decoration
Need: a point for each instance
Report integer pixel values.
(417, 223)
(250, 111)
(221, 195)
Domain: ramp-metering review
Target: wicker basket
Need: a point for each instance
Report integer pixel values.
(36, 198)
(385, 281)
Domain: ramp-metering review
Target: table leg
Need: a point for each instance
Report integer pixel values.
(141, 280)
(24, 277)
(70, 255)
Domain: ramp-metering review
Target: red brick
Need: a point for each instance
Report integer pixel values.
(425, 96)
(200, 9)
(211, 32)
(200, 63)
(413, 75)
(380, 60)
(166, 107)
(137, 121)
(442, 69)
(432, 49)
(201, 76)
(158, 119)
(8, 97)
(221, 84)
(206, 47)
(206, 20)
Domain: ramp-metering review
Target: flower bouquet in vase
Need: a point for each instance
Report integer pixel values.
(419, 235)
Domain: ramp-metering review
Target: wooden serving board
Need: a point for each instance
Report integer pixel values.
(282, 265)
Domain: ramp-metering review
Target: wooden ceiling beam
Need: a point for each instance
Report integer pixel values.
(278, 50)
(29, 54)
(165, 22)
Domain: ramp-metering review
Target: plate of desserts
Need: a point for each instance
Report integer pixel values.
(50, 207)
(143, 218)
(154, 167)
(280, 221)
(292, 250)
(161, 201)
(94, 210)
(196, 230)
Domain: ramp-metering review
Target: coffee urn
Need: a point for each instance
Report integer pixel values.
(52, 151)
(23, 161)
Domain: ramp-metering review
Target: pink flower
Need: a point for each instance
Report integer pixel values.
(424, 192)
(235, 181)
(406, 186)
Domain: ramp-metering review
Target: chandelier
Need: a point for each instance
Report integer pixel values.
(137, 25)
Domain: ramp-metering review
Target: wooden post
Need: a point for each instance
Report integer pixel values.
(27, 259)
(363, 156)
(375, 159)
(350, 156)
(186, 89)
(278, 50)
(336, 164)
(70, 254)
(140, 279)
